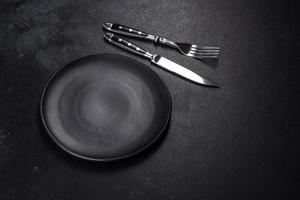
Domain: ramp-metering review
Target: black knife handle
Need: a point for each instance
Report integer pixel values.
(124, 44)
(125, 30)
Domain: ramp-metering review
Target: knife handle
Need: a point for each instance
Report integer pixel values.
(125, 30)
(124, 44)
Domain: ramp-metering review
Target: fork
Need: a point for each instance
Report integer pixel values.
(191, 50)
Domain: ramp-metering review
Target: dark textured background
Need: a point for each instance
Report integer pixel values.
(237, 142)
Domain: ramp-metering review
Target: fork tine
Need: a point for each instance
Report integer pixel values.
(202, 56)
(204, 50)
(205, 47)
(204, 53)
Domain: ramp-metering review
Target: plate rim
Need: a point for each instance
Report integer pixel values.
(69, 151)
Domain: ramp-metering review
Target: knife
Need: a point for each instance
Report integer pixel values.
(159, 60)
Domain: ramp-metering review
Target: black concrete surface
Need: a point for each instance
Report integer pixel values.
(237, 142)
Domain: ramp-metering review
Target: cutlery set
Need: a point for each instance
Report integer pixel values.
(190, 50)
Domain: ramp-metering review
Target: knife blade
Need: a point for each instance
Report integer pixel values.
(181, 71)
(160, 61)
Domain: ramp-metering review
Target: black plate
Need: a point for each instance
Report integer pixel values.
(105, 107)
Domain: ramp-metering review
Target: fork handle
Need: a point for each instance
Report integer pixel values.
(125, 30)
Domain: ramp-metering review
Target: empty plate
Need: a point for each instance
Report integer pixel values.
(105, 107)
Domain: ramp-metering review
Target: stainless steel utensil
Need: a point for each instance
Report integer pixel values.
(159, 60)
(191, 50)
